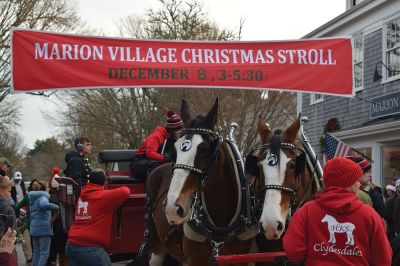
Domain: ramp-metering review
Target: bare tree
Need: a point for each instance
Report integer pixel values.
(123, 117)
(9, 114)
(115, 117)
(57, 15)
(11, 146)
(43, 157)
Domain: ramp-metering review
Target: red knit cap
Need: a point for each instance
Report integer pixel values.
(341, 172)
(56, 170)
(174, 122)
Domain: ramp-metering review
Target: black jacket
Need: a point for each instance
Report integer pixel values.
(14, 191)
(377, 200)
(78, 167)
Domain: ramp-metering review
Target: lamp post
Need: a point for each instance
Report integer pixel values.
(378, 76)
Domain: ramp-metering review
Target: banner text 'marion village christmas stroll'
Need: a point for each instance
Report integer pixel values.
(43, 60)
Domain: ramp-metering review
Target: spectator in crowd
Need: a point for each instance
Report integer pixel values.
(336, 228)
(395, 242)
(41, 228)
(397, 185)
(18, 191)
(59, 238)
(5, 165)
(78, 162)
(17, 194)
(56, 172)
(391, 196)
(90, 233)
(368, 187)
(7, 245)
(5, 193)
(364, 197)
(390, 191)
(23, 206)
(156, 148)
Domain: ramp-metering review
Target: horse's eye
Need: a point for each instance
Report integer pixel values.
(292, 165)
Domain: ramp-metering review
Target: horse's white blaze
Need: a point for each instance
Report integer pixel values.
(179, 177)
(272, 212)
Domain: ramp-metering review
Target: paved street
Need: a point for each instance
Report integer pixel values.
(20, 255)
(22, 262)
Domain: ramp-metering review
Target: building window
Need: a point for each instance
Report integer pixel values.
(358, 55)
(392, 49)
(351, 3)
(390, 164)
(316, 98)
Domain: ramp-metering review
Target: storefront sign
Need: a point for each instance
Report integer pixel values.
(385, 105)
(44, 60)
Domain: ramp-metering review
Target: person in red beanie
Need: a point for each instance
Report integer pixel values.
(90, 233)
(156, 148)
(336, 228)
(367, 187)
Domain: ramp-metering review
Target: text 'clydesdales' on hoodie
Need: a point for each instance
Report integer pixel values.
(337, 229)
(94, 213)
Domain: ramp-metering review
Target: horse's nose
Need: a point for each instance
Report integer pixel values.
(273, 229)
(179, 210)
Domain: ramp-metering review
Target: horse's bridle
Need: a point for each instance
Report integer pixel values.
(199, 220)
(272, 160)
(215, 143)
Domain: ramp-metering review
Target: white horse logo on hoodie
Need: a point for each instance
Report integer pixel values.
(336, 227)
(83, 205)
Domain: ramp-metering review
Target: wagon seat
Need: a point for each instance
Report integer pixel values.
(117, 166)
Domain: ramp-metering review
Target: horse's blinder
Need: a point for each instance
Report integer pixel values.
(251, 167)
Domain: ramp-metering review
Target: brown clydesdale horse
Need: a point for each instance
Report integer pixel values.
(285, 179)
(204, 203)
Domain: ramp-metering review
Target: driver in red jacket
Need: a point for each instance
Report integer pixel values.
(157, 147)
(90, 233)
(336, 228)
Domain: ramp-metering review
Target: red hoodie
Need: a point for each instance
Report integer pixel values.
(337, 229)
(93, 215)
(151, 144)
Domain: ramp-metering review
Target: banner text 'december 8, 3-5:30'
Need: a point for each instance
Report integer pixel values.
(44, 60)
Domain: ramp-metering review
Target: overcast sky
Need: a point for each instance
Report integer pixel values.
(264, 20)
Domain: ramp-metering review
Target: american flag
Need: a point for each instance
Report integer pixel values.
(333, 147)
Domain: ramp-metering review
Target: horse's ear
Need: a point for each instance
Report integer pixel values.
(263, 130)
(185, 112)
(291, 132)
(212, 116)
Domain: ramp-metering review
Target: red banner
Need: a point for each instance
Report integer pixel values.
(44, 60)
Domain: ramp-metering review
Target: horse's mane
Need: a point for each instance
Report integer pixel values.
(275, 144)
